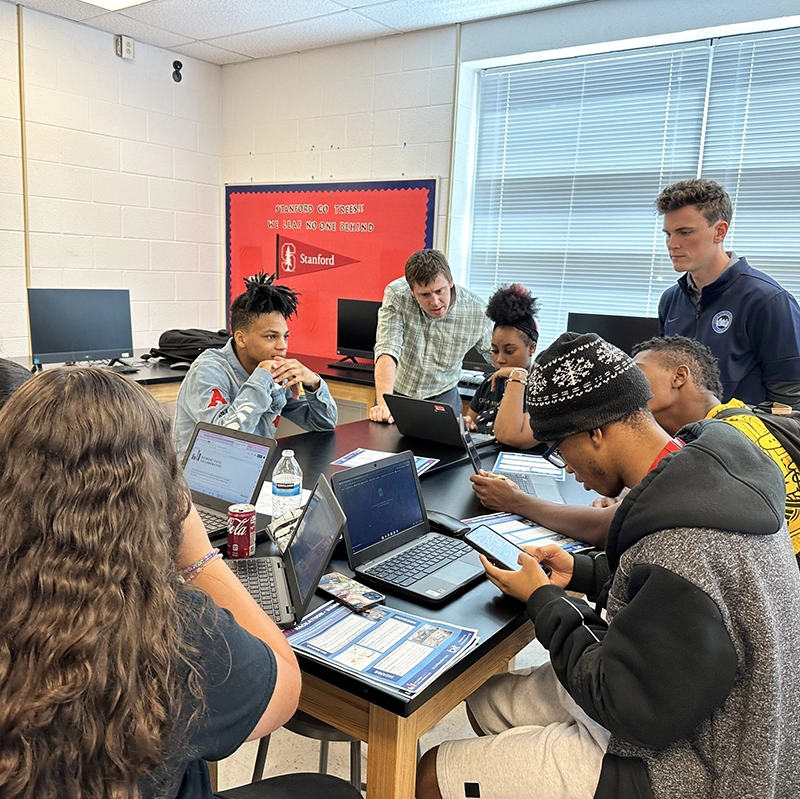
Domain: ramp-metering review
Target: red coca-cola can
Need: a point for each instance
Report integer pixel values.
(241, 531)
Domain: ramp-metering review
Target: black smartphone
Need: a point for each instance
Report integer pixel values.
(499, 550)
(469, 446)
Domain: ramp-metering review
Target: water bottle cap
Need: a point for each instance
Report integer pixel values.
(287, 453)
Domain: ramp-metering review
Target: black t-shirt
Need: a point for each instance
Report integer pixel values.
(239, 673)
(486, 402)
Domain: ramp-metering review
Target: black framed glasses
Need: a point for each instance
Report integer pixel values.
(554, 456)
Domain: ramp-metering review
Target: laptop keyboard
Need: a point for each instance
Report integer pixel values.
(543, 490)
(212, 521)
(257, 575)
(413, 564)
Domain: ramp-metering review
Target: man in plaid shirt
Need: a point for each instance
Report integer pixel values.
(426, 325)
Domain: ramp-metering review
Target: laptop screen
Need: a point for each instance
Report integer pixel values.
(380, 503)
(313, 543)
(222, 466)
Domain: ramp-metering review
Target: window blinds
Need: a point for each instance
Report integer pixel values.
(570, 156)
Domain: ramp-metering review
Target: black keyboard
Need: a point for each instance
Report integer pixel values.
(257, 575)
(362, 367)
(122, 369)
(211, 520)
(413, 564)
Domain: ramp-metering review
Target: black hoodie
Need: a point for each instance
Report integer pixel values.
(697, 672)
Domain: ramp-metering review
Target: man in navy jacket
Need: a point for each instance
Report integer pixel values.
(749, 322)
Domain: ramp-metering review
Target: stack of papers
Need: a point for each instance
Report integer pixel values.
(360, 456)
(393, 650)
(524, 532)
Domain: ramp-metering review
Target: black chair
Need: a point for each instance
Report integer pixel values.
(294, 786)
(304, 724)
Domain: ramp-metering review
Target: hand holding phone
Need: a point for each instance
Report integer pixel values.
(496, 548)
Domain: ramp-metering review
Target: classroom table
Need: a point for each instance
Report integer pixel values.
(389, 724)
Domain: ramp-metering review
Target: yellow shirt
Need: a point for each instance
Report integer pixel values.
(757, 432)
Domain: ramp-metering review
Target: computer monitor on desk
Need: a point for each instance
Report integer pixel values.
(356, 329)
(69, 325)
(621, 331)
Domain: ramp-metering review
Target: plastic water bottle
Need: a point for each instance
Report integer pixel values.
(287, 485)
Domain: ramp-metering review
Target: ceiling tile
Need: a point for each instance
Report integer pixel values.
(207, 19)
(408, 15)
(207, 52)
(115, 22)
(70, 9)
(344, 26)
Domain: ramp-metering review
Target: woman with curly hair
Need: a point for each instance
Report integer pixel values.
(129, 652)
(513, 311)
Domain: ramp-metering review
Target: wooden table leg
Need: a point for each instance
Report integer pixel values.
(392, 759)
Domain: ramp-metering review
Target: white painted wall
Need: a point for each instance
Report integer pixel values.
(13, 313)
(375, 109)
(123, 176)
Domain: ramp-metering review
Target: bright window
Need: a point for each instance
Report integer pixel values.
(571, 154)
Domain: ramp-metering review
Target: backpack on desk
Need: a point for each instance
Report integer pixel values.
(781, 420)
(183, 346)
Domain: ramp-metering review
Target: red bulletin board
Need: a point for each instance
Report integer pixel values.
(326, 240)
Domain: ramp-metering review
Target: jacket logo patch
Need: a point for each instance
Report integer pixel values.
(721, 321)
(216, 398)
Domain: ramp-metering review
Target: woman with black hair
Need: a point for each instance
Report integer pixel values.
(250, 382)
(513, 311)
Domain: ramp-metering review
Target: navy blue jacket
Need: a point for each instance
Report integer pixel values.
(750, 323)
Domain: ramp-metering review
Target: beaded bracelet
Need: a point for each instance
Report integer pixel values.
(190, 572)
(524, 379)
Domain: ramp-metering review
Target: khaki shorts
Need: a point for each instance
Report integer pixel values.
(538, 743)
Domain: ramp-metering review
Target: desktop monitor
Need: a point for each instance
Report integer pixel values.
(473, 361)
(621, 331)
(356, 328)
(69, 325)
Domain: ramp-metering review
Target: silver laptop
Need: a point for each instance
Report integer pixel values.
(388, 538)
(528, 476)
(283, 585)
(225, 467)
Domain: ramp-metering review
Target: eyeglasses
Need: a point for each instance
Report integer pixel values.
(553, 454)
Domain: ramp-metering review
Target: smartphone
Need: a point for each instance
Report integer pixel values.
(469, 446)
(350, 592)
(499, 550)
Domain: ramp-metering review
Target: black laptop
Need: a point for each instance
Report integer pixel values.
(429, 420)
(225, 467)
(283, 585)
(388, 538)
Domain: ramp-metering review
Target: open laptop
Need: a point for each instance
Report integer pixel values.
(388, 538)
(532, 473)
(432, 421)
(283, 585)
(225, 467)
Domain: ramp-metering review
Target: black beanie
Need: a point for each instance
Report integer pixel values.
(581, 382)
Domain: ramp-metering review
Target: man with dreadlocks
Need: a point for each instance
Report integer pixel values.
(250, 382)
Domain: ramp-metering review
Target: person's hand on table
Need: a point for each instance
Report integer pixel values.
(495, 492)
(289, 373)
(561, 563)
(519, 584)
(380, 413)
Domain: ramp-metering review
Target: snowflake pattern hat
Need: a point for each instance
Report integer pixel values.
(581, 382)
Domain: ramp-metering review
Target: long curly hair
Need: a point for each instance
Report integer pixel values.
(92, 668)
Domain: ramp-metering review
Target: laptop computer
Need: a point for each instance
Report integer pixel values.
(225, 467)
(432, 421)
(388, 538)
(532, 473)
(283, 585)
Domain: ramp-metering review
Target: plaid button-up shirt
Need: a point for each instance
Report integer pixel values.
(429, 351)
